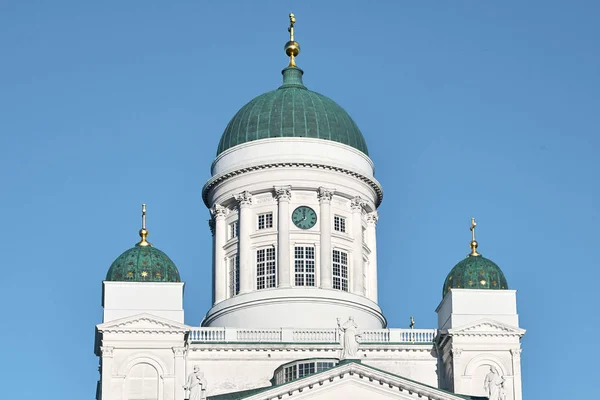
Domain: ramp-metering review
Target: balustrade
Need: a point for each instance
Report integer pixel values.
(207, 335)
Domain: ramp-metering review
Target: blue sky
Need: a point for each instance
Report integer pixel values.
(470, 108)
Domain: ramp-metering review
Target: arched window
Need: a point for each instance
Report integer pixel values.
(142, 382)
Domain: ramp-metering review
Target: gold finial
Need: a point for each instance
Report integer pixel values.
(292, 48)
(144, 231)
(474, 243)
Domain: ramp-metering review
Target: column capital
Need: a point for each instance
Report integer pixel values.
(325, 194)
(357, 204)
(244, 198)
(178, 351)
(107, 351)
(456, 352)
(283, 192)
(372, 218)
(218, 211)
(516, 353)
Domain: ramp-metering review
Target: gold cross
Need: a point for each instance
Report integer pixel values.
(291, 28)
(473, 225)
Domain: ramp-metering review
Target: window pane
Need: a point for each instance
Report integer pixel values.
(340, 270)
(266, 268)
(304, 265)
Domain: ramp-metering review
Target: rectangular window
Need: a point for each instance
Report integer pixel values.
(265, 221)
(339, 224)
(322, 366)
(265, 268)
(340, 270)
(304, 265)
(306, 369)
(233, 230)
(234, 275)
(290, 373)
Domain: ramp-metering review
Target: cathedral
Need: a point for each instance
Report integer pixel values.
(293, 204)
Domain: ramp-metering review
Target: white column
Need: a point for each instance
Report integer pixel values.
(218, 213)
(107, 366)
(372, 243)
(179, 372)
(325, 196)
(516, 369)
(244, 250)
(283, 194)
(358, 280)
(457, 370)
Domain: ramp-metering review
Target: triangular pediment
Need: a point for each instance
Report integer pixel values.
(486, 327)
(142, 323)
(352, 380)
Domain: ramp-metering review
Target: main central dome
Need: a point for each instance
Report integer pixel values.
(292, 111)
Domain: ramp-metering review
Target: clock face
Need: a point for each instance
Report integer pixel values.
(304, 217)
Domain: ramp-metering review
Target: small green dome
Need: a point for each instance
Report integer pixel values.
(475, 272)
(292, 111)
(143, 264)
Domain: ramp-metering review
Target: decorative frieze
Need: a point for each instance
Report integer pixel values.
(283, 192)
(244, 198)
(325, 194)
(107, 351)
(218, 211)
(357, 204)
(372, 218)
(179, 351)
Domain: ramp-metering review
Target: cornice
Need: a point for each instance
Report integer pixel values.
(355, 370)
(144, 324)
(372, 182)
(326, 347)
(486, 328)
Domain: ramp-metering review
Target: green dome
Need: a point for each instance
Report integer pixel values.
(475, 272)
(143, 264)
(292, 111)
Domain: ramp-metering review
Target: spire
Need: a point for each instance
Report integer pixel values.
(292, 48)
(144, 231)
(474, 243)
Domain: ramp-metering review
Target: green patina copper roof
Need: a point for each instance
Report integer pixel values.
(292, 111)
(475, 272)
(143, 264)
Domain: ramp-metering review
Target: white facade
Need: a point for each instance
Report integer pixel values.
(295, 308)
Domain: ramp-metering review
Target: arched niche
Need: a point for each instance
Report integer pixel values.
(143, 379)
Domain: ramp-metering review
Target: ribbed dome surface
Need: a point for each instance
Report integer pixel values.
(475, 272)
(292, 111)
(143, 264)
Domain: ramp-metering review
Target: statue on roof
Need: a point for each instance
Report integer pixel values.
(195, 387)
(494, 385)
(349, 339)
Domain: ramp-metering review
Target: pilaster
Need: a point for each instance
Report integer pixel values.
(244, 252)
(516, 367)
(283, 195)
(179, 353)
(107, 372)
(325, 195)
(218, 213)
(372, 219)
(358, 279)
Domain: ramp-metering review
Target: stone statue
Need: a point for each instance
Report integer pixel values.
(350, 338)
(195, 387)
(494, 385)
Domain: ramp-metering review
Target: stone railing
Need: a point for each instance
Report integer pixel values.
(289, 335)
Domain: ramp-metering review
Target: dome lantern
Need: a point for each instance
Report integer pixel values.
(475, 271)
(143, 262)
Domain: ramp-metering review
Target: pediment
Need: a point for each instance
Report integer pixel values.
(353, 381)
(142, 323)
(487, 327)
